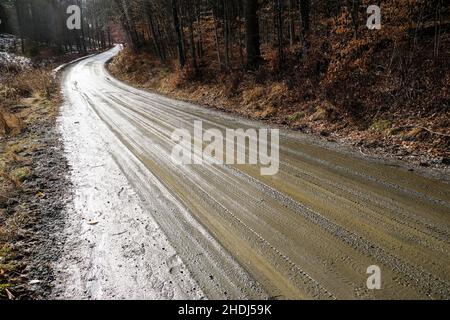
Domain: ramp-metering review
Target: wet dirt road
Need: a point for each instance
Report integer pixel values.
(309, 232)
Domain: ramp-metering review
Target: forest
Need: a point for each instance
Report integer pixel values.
(42, 24)
(311, 65)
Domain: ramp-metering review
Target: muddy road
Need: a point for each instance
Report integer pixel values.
(141, 226)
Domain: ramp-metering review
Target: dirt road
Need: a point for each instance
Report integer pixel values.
(142, 226)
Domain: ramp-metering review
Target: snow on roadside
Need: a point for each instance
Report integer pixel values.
(114, 249)
(8, 42)
(8, 59)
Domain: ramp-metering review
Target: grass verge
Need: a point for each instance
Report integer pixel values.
(29, 102)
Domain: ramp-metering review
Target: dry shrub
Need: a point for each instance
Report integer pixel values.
(15, 88)
(252, 97)
(277, 92)
(267, 98)
(123, 62)
(25, 84)
(9, 123)
(185, 76)
(41, 82)
(270, 55)
(179, 78)
(231, 82)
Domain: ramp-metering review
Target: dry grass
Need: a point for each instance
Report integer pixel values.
(27, 99)
(30, 87)
(16, 86)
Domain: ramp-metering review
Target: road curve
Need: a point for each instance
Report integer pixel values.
(309, 232)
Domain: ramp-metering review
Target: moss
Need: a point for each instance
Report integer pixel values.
(16, 148)
(5, 255)
(4, 286)
(5, 250)
(19, 175)
(415, 134)
(296, 117)
(381, 126)
(320, 114)
(396, 131)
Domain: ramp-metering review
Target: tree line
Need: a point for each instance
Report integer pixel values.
(237, 29)
(230, 32)
(183, 28)
(43, 24)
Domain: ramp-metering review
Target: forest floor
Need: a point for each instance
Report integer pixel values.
(32, 178)
(419, 139)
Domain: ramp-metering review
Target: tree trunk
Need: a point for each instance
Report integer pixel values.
(192, 40)
(305, 11)
(176, 23)
(291, 23)
(226, 33)
(354, 10)
(124, 19)
(21, 25)
(216, 34)
(279, 5)
(252, 34)
(151, 24)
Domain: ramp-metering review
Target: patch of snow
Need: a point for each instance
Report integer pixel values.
(10, 60)
(8, 42)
